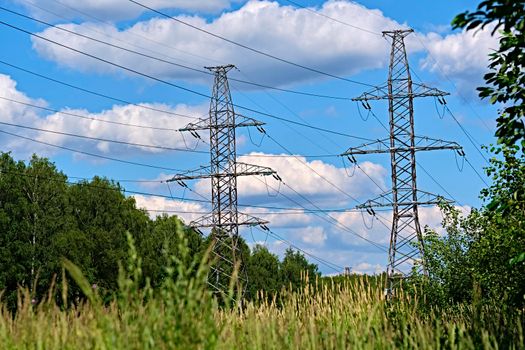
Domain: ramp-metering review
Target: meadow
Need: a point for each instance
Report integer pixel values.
(347, 313)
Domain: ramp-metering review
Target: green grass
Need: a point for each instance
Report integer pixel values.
(184, 315)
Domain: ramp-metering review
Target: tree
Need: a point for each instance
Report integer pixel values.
(295, 268)
(161, 241)
(33, 212)
(506, 79)
(263, 272)
(104, 215)
(482, 251)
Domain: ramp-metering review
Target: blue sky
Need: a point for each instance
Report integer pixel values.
(453, 61)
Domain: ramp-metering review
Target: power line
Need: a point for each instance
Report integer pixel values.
(332, 19)
(437, 183)
(313, 170)
(322, 261)
(103, 139)
(85, 117)
(91, 92)
(201, 71)
(476, 171)
(97, 19)
(134, 71)
(247, 47)
(89, 153)
(469, 136)
(332, 221)
(450, 80)
(290, 155)
(302, 210)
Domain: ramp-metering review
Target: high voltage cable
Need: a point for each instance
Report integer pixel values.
(322, 261)
(175, 85)
(476, 171)
(450, 80)
(437, 183)
(145, 127)
(171, 62)
(311, 140)
(104, 140)
(313, 170)
(86, 117)
(97, 19)
(331, 18)
(290, 155)
(470, 137)
(323, 135)
(94, 155)
(333, 220)
(116, 99)
(247, 47)
(182, 199)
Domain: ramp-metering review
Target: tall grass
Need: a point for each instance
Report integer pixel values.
(183, 314)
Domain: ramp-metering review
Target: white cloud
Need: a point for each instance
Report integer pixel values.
(461, 57)
(187, 211)
(377, 229)
(321, 182)
(310, 235)
(367, 268)
(16, 113)
(296, 34)
(114, 10)
(128, 114)
(279, 219)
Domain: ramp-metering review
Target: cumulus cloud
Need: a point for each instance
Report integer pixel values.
(91, 124)
(128, 114)
(114, 10)
(377, 229)
(294, 34)
(367, 268)
(461, 57)
(309, 235)
(156, 206)
(321, 182)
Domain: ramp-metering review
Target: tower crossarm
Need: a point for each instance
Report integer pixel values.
(420, 144)
(244, 169)
(386, 200)
(204, 124)
(418, 90)
(208, 221)
(241, 169)
(200, 173)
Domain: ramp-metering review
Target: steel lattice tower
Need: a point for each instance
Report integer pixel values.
(406, 251)
(224, 219)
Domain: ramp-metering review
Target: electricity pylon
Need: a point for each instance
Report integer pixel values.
(406, 252)
(224, 219)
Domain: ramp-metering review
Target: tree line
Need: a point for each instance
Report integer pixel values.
(44, 218)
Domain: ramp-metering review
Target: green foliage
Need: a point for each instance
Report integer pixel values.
(263, 272)
(43, 220)
(182, 314)
(482, 251)
(506, 78)
(295, 269)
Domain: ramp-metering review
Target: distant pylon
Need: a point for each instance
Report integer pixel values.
(406, 252)
(224, 219)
